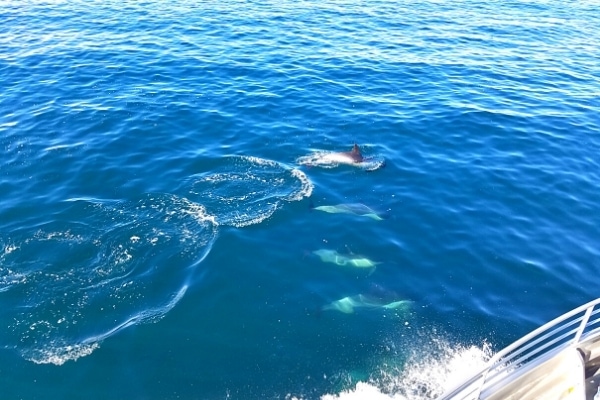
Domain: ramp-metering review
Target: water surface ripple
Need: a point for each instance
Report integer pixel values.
(150, 181)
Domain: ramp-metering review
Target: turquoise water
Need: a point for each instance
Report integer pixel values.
(162, 237)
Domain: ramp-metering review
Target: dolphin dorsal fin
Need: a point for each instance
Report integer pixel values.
(355, 154)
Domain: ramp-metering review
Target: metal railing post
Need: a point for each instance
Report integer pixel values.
(584, 322)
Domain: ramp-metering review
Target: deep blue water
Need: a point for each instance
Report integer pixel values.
(158, 227)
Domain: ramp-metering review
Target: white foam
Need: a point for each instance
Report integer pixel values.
(261, 161)
(59, 236)
(9, 249)
(362, 391)
(198, 211)
(306, 186)
(248, 192)
(8, 276)
(327, 159)
(61, 354)
(243, 220)
(317, 158)
(427, 374)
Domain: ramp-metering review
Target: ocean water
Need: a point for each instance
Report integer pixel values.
(162, 235)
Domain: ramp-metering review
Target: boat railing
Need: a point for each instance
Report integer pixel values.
(568, 330)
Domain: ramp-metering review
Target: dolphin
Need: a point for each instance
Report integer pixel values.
(351, 208)
(354, 157)
(332, 256)
(348, 304)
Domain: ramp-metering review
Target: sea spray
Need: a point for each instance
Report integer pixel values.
(427, 373)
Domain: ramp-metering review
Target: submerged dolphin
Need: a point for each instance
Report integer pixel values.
(348, 304)
(353, 208)
(353, 157)
(351, 260)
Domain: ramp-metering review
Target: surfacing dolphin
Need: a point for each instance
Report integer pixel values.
(350, 260)
(348, 304)
(354, 157)
(352, 208)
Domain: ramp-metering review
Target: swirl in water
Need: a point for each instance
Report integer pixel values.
(65, 286)
(243, 190)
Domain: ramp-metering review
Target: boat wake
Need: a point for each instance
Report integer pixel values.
(426, 374)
